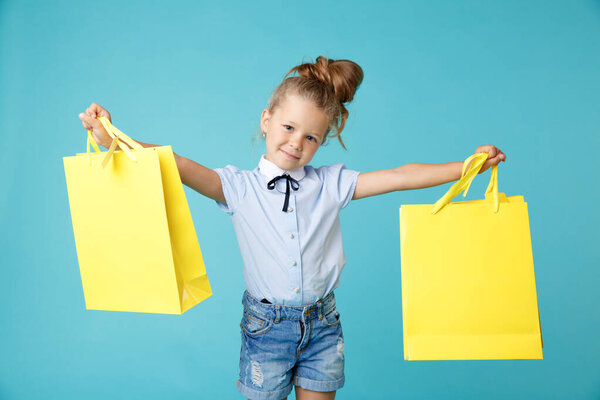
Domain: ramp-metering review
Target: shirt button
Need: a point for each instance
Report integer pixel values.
(291, 235)
(293, 262)
(296, 290)
(290, 209)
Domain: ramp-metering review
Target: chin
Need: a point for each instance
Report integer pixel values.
(289, 164)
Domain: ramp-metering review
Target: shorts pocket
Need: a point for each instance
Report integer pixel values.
(254, 324)
(332, 317)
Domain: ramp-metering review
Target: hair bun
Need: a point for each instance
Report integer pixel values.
(343, 77)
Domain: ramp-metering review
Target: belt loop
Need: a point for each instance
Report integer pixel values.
(277, 314)
(320, 308)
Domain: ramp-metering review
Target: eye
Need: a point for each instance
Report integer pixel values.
(287, 126)
(311, 138)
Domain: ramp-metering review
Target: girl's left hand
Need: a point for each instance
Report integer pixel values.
(495, 155)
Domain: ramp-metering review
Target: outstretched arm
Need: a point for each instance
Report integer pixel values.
(203, 180)
(418, 175)
(198, 177)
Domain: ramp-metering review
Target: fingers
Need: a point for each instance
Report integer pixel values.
(89, 123)
(96, 110)
(92, 110)
(86, 121)
(497, 159)
(495, 155)
(488, 148)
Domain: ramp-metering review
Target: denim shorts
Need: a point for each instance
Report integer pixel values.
(284, 346)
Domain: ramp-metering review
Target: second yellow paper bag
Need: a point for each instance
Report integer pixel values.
(468, 285)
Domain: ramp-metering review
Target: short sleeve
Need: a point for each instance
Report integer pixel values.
(234, 188)
(339, 182)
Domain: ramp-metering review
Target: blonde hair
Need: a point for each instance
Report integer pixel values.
(328, 84)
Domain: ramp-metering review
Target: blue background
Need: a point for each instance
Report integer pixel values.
(441, 78)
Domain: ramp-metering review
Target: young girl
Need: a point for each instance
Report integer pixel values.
(286, 218)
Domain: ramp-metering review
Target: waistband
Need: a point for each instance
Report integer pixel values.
(277, 312)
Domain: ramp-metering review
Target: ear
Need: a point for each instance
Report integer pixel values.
(264, 120)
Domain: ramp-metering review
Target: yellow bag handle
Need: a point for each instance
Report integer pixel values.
(465, 182)
(116, 134)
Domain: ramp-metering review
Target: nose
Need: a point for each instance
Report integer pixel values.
(296, 141)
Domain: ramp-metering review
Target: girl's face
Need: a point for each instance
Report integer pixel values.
(294, 132)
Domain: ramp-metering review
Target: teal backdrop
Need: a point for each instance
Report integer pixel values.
(441, 78)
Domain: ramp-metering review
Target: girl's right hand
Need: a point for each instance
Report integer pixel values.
(89, 122)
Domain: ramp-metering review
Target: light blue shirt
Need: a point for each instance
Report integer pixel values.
(293, 257)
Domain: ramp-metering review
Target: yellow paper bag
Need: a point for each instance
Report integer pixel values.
(468, 285)
(135, 239)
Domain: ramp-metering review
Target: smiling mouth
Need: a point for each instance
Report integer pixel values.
(288, 155)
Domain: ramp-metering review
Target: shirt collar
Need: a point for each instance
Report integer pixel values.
(270, 170)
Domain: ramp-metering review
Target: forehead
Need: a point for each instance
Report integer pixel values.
(302, 113)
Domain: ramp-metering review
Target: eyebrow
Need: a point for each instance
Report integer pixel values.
(312, 134)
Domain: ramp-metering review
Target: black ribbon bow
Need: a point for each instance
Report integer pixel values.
(289, 181)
